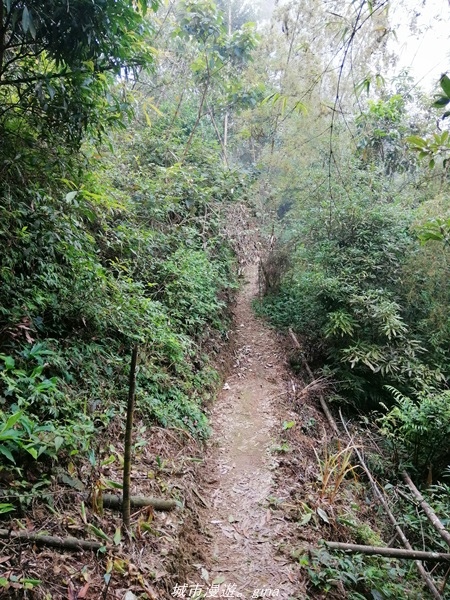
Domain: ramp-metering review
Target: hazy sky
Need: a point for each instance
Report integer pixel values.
(425, 49)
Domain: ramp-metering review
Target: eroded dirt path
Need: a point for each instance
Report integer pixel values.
(243, 532)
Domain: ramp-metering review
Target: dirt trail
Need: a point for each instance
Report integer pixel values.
(243, 530)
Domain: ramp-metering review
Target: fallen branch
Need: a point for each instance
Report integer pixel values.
(115, 502)
(425, 576)
(432, 516)
(69, 543)
(323, 404)
(390, 552)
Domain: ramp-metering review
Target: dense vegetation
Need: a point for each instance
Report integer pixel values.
(360, 266)
(111, 222)
(128, 129)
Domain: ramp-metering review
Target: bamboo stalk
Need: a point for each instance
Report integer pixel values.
(68, 543)
(128, 436)
(390, 552)
(432, 516)
(425, 576)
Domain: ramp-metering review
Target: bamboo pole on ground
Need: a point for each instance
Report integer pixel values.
(115, 502)
(68, 543)
(432, 516)
(389, 552)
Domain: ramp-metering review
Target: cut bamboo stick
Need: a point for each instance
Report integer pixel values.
(115, 502)
(68, 543)
(432, 516)
(390, 552)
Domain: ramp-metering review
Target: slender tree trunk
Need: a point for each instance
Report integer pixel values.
(2, 37)
(199, 116)
(226, 117)
(225, 137)
(219, 137)
(128, 435)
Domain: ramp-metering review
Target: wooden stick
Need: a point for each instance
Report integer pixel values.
(68, 543)
(115, 502)
(425, 576)
(432, 516)
(128, 436)
(391, 552)
(323, 404)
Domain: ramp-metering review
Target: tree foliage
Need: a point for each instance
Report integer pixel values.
(108, 243)
(58, 60)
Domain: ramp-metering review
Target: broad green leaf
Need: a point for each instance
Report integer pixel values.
(114, 484)
(445, 85)
(71, 195)
(59, 441)
(306, 519)
(416, 141)
(7, 453)
(6, 508)
(31, 26)
(30, 582)
(440, 102)
(9, 362)
(117, 536)
(98, 532)
(13, 420)
(32, 450)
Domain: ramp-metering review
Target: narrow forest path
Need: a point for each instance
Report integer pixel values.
(243, 532)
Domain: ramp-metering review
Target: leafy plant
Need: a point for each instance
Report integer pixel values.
(360, 576)
(418, 429)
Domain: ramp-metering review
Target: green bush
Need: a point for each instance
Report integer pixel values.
(342, 293)
(419, 430)
(129, 250)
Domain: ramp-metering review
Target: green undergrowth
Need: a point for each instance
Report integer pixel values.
(370, 304)
(127, 247)
(361, 576)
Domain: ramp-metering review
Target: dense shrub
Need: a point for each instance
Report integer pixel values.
(346, 293)
(130, 250)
